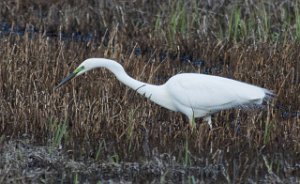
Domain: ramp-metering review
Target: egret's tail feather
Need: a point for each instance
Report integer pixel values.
(269, 95)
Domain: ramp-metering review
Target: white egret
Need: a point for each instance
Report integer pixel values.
(193, 94)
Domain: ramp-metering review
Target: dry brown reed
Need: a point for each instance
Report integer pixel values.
(97, 107)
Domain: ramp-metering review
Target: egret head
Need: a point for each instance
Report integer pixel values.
(82, 68)
(90, 64)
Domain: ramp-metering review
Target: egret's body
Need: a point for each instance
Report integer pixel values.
(195, 95)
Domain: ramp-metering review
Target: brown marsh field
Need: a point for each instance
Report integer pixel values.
(96, 130)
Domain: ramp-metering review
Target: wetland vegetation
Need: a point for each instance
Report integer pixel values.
(96, 130)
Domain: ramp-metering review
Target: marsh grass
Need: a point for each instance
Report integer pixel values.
(60, 132)
(96, 118)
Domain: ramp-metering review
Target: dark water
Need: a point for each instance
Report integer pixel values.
(7, 29)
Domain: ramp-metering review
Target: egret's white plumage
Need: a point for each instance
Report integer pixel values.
(195, 95)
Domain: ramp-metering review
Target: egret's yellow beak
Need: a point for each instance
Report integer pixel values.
(70, 76)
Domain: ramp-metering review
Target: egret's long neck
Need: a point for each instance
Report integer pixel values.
(153, 92)
(123, 77)
(136, 85)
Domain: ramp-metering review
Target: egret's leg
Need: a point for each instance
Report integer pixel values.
(208, 119)
(192, 123)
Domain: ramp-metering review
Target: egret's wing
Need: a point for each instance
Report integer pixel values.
(207, 92)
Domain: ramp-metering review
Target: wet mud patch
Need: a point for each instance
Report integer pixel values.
(22, 162)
